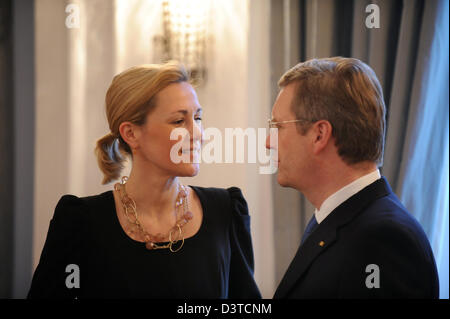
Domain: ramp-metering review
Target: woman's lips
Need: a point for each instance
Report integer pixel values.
(188, 151)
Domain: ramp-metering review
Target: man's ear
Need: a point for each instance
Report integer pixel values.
(323, 131)
(130, 134)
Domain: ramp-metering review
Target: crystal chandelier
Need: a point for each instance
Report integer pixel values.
(184, 38)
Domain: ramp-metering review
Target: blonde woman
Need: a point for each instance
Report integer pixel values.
(151, 236)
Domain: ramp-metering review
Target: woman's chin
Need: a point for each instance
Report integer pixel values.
(189, 170)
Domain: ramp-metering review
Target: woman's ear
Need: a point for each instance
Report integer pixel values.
(130, 134)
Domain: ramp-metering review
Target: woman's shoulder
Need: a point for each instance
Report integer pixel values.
(230, 198)
(73, 200)
(71, 206)
(215, 192)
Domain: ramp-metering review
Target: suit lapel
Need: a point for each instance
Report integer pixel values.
(314, 245)
(325, 234)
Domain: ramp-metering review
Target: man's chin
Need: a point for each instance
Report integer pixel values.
(282, 180)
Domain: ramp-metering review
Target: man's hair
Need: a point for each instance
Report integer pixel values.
(346, 93)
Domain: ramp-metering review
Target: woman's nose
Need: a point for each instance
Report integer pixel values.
(197, 131)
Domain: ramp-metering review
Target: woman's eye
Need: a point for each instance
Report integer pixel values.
(181, 121)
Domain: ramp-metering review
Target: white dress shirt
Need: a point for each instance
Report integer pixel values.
(345, 193)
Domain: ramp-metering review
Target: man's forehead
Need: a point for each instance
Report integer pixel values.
(283, 102)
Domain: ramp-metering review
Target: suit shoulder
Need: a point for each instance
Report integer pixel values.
(387, 214)
(387, 235)
(387, 225)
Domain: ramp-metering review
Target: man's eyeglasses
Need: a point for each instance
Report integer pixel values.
(273, 124)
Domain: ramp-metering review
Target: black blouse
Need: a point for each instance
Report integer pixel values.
(217, 262)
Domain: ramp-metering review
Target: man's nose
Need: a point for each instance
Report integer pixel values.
(272, 139)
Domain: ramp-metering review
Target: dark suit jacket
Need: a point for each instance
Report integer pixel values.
(370, 228)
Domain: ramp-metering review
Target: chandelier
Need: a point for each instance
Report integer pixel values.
(184, 38)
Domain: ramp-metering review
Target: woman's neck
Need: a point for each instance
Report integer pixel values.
(153, 194)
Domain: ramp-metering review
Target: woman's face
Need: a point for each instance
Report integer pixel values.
(177, 110)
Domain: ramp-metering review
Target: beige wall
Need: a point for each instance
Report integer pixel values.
(51, 138)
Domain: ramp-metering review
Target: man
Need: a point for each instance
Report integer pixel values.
(361, 242)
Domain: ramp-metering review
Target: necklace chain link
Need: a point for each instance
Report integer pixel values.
(175, 235)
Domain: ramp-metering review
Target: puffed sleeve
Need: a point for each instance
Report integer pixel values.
(242, 283)
(61, 256)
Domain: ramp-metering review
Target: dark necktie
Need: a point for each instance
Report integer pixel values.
(312, 225)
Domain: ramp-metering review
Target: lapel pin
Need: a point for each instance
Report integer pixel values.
(322, 243)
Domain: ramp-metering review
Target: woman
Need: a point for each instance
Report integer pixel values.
(151, 237)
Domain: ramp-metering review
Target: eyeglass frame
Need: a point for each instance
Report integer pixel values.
(272, 123)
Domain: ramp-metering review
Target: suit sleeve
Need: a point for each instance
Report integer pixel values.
(389, 260)
(241, 281)
(62, 248)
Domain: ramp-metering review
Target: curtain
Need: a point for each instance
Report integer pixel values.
(16, 145)
(6, 148)
(409, 54)
(423, 153)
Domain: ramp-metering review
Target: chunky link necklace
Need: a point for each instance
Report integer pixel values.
(183, 216)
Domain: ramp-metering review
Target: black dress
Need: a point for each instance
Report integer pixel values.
(217, 262)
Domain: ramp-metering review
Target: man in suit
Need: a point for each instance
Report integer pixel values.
(361, 241)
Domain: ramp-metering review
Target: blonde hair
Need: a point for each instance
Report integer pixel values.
(347, 93)
(130, 97)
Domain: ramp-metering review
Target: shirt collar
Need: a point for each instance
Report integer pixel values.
(345, 193)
